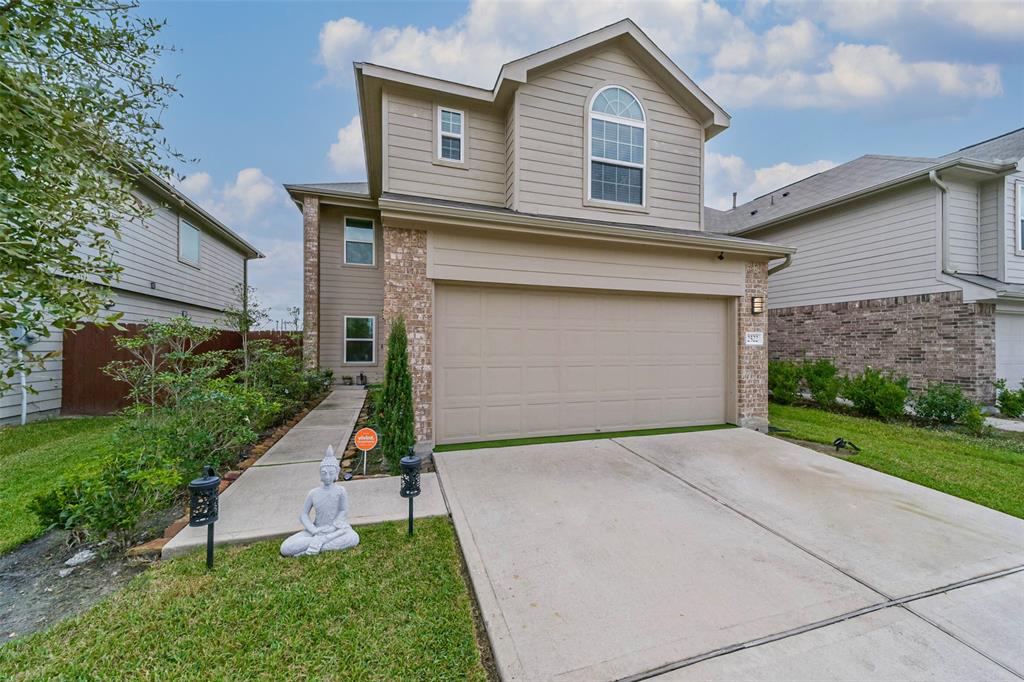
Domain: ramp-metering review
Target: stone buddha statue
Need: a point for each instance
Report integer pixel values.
(330, 530)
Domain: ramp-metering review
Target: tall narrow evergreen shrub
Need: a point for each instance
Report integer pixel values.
(397, 427)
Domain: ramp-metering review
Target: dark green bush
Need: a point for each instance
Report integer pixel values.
(942, 404)
(874, 394)
(1009, 401)
(784, 381)
(397, 418)
(822, 378)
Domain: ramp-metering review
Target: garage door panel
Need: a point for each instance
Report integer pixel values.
(540, 362)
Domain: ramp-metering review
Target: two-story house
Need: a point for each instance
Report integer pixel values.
(913, 265)
(179, 261)
(544, 241)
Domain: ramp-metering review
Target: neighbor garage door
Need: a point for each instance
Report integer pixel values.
(1010, 347)
(515, 362)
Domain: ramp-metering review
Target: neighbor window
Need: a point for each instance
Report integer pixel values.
(188, 242)
(617, 147)
(359, 245)
(360, 339)
(450, 137)
(1020, 217)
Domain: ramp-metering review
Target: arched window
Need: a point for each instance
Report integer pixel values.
(618, 136)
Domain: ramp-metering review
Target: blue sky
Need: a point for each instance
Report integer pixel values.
(267, 97)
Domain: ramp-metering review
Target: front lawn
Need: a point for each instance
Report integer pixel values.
(392, 608)
(33, 459)
(989, 471)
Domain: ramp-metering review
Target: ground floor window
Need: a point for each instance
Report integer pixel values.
(360, 339)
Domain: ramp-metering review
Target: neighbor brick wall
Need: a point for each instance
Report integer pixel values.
(752, 361)
(408, 292)
(927, 338)
(311, 282)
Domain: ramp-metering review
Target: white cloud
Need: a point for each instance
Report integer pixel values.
(856, 75)
(998, 19)
(196, 184)
(791, 64)
(725, 174)
(346, 154)
(251, 192)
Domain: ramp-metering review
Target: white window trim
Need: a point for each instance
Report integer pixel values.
(345, 339)
(199, 244)
(591, 115)
(1018, 227)
(461, 136)
(344, 242)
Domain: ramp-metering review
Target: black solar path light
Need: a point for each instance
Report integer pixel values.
(410, 466)
(203, 507)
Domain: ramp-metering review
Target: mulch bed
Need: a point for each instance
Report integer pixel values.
(352, 460)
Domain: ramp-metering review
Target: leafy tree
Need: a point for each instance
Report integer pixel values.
(398, 432)
(79, 123)
(243, 316)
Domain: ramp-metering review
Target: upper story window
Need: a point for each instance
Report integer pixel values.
(618, 132)
(359, 242)
(1020, 216)
(188, 242)
(450, 135)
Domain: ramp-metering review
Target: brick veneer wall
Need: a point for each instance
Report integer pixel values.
(311, 282)
(408, 292)
(928, 338)
(752, 361)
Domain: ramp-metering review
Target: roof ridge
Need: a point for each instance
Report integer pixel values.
(991, 139)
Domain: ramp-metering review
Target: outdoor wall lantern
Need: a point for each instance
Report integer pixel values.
(410, 479)
(203, 507)
(757, 305)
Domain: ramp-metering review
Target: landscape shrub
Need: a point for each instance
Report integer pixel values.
(1009, 401)
(397, 419)
(974, 421)
(874, 394)
(942, 404)
(189, 409)
(375, 403)
(822, 378)
(784, 381)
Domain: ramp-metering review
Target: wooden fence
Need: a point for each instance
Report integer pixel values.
(87, 390)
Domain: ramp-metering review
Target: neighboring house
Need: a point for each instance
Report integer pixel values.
(180, 261)
(544, 241)
(914, 265)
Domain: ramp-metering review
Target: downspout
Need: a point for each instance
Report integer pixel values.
(933, 177)
(787, 261)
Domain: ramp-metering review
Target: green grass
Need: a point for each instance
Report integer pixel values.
(34, 457)
(575, 437)
(393, 608)
(989, 471)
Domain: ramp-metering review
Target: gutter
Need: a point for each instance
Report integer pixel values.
(933, 177)
(781, 266)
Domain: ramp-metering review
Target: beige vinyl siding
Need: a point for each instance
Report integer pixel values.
(411, 153)
(348, 290)
(962, 203)
(573, 263)
(990, 217)
(552, 153)
(881, 246)
(1014, 257)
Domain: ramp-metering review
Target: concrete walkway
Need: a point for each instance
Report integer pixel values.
(729, 555)
(1006, 424)
(265, 502)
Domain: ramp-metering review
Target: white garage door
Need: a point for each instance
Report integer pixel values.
(531, 362)
(1010, 348)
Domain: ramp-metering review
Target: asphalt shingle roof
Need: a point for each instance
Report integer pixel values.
(849, 178)
(361, 188)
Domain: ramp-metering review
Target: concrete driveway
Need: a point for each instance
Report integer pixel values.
(730, 555)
